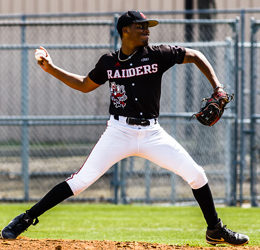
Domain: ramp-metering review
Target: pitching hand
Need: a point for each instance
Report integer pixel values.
(46, 62)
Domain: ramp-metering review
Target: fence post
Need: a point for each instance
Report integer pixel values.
(24, 111)
(253, 170)
(116, 182)
(147, 174)
(233, 198)
(242, 108)
(229, 65)
(123, 180)
(173, 130)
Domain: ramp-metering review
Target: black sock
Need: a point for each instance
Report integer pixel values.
(204, 198)
(56, 195)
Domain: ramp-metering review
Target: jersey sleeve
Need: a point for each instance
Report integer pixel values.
(171, 55)
(99, 74)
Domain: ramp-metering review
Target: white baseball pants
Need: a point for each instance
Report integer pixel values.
(121, 140)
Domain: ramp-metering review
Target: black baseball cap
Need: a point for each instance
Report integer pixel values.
(133, 17)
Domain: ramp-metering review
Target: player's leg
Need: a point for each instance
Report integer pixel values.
(111, 148)
(20, 223)
(166, 152)
(162, 149)
(114, 145)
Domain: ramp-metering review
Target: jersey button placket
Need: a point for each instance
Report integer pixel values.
(136, 99)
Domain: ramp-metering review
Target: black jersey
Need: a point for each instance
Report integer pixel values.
(135, 84)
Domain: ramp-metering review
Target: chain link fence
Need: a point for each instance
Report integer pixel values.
(254, 113)
(47, 129)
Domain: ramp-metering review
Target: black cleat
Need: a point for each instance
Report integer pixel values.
(223, 235)
(18, 225)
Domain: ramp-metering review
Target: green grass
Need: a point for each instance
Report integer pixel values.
(169, 225)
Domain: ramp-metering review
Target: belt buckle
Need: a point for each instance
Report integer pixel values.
(145, 122)
(137, 121)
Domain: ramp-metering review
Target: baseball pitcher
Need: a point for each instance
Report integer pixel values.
(134, 74)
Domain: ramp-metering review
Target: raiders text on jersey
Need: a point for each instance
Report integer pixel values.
(131, 72)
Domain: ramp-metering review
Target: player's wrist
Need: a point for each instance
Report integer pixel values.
(51, 69)
(218, 88)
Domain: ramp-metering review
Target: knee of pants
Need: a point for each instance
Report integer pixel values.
(199, 180)
(77, 186)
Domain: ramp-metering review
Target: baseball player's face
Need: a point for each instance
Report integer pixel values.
(139, 33)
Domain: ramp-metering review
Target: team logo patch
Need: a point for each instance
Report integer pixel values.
(118, 95)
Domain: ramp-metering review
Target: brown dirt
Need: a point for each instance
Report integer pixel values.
(46, 244)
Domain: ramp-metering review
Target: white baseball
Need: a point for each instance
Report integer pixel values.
(40, 53)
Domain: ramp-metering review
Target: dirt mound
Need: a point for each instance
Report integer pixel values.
(46, 244)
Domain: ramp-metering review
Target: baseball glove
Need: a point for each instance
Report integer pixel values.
(214, 108)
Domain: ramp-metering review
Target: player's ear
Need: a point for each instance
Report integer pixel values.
(125, 30)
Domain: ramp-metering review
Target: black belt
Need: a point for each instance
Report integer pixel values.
(136, 121)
